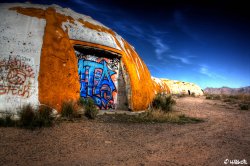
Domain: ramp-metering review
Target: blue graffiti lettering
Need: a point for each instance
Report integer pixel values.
(96, 82)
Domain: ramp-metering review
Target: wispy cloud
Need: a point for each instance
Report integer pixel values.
(133, 28)
(130, 28)
(87, 5)
(160, 47)
(204, 69)
(156, 38)
(184, 60)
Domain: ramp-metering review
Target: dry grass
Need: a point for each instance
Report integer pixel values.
(242, 100)
(152, 116)
(241, 97)
(7, 121)
(213, 96)
(29, 118)
(171, 117)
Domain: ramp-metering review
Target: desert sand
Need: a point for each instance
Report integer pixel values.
(225, 134)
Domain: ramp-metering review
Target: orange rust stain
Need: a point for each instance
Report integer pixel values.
(34, 12)
(58, 74)
(157, 87)
(165, 86)
(140, 79)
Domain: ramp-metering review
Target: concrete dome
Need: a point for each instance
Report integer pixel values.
(46, 50)
(51, 54)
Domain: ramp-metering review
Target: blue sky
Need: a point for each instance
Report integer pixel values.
(206, 42)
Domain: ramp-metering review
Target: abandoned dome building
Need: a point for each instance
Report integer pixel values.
(51, 54)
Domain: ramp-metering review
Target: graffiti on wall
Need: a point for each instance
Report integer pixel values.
(16, 76)
(98, 79)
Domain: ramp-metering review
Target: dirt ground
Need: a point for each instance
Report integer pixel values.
(225, 134)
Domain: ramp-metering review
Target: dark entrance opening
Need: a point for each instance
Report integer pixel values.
(87, 50)
(101, 77)
(189, 92)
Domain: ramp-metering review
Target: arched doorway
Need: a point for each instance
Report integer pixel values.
(101, 77)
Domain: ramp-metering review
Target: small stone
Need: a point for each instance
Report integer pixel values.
(107, 142)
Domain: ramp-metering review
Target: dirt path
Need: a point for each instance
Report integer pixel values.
(225, 134)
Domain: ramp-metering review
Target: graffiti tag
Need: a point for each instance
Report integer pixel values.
(16, 76)
(96, 82)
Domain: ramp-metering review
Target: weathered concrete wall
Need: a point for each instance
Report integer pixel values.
(179, 87)
(21, 39)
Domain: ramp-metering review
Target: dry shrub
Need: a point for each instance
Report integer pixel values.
(244, 106)
(244, 97)
(7, 121)
(90, 108)
(213, 97)
(68, 110)
(27, 116)
(163, 102)
(44, 116)
(32, 118)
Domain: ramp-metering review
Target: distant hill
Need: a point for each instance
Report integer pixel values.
(228, 91)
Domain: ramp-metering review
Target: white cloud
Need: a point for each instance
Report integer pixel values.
(130, 29)
(160, 46)
(182, 59)
(204, 69)
(153, 37)
(87, 5)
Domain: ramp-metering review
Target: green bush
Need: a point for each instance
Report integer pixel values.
(234, 96)
(227, 100)
(68, 109)
(208, 97)
(181, 95)
(27, 116)
(244, 106)
(216, 97)
(213, 97)
(2, 121)
(6, 121)
(44, 116)
(32, 118)
(9, 122)
(90, 108)
(81, 101)
(163, 102)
